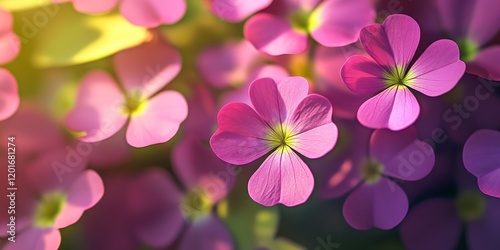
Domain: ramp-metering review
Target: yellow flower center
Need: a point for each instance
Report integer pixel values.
(471, 205)
(281, 137)
(468, 49)
(196, 204)
(135, 104)
(371, 171)
(398, 76)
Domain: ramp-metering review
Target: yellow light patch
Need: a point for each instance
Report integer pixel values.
(371, 170)
(315, 19)
(196, 204)
(135, 104)
(49, 208)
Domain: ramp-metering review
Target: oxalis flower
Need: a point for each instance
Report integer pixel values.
(284, 120)
(389, 72)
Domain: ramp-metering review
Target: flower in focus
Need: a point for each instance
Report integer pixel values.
(446, 219)
(284, 120)
(482, 158)
(376, 200)
(102, 108)
(388, 73)
(146, 13)
(285, 27)
(51, 200)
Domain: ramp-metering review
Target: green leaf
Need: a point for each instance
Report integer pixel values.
(251, 224)
(73, 38)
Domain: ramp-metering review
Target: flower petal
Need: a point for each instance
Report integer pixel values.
(342, 178)
(84, 193)
(241, 137)
(147, 68)
(9, 96)
(481, 153)
(338, 22)
(159, 121)
(404, 157)
(10, 44)
(152, 13)
(312, 112)
(490, 183)
(316, 142)
(440, 229)
(36, 239)
(267, 101)
(395, 108)
(157, 216)
(485, 64)
(274, 36)
(98, 109)
(237, 10)
(438, 69)
(282, 178)
(362, 75)
(207, 233)
(382, 205)
(94, 6)
(292, 91)
(197, 166)
(393, 43)
(228, 64)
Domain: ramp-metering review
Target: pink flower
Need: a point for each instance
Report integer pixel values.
(284, 120)
(237, 10)
(146, 13)
(102, 108)
(388, 73)
(482, 157)
(9, 48)
(51, 200)
(285, 28)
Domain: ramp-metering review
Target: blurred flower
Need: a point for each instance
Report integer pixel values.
(438, 223)
(376, 200)
(51, 201)
(102, 108)
(9, 48)
(284, 120)
(237, 10)
(482, 158)
(146, 13)
(285, 27)
(472, 24)
(392, 46)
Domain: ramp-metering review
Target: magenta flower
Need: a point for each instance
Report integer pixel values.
(438, 223)
(237, 10)
(482, 158)
(285, 28)
(158, 212)
(53, 200)
(376, 200)
(388, 72)
(284, 120)
(102, 108)
(146, 13)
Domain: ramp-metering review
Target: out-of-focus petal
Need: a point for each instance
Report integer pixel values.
(482, 234)
(237, 10)
(159, 121)
(274, 36)
(382, 205)
(9, 96)
(10, 45)
(152, 13)
(36, 239)
(338, 22)
(93, 6)
(99, 108)
(207, 233)
(485, 64)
